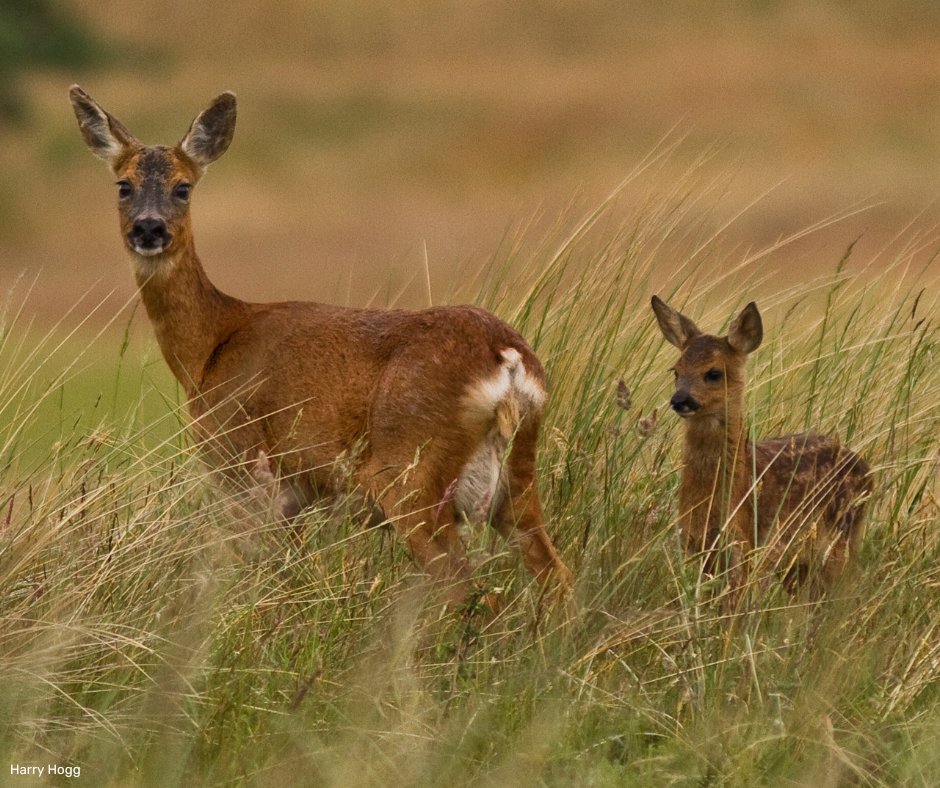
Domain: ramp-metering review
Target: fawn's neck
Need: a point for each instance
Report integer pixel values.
(190, 316)
(715, 473)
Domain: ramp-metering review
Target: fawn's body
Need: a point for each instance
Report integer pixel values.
(801, 497)
(421, 417)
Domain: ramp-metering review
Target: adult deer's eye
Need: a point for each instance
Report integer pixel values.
(182, 190)
(713, 375)
(125, 189)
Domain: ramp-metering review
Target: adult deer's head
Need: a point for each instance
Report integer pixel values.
(155, 182)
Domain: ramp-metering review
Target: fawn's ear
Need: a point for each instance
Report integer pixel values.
(747, 330)
(212, 131)
(104, 134)
(676, 327)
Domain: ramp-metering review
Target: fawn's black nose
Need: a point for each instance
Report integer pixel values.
(149, 235)
(684, 403)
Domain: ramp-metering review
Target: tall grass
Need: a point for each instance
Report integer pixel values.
(157, 629)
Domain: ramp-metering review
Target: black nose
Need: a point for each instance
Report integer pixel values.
(682, 402)
(149, 234)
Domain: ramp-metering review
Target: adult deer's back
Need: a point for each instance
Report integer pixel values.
(422, 417)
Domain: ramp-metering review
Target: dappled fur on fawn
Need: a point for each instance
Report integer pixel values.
(800, 497)
(423, 417)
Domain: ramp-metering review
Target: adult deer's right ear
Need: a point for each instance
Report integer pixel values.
(104, 134)
(676, 327)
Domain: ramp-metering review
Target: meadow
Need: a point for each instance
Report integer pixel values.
(158, 631)
(558, 163)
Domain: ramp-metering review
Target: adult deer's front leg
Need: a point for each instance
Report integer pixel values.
(284, 496)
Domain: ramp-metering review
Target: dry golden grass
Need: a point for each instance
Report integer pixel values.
(157, 632)
(153, 632)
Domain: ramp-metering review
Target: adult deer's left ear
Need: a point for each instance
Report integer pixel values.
(212, 131)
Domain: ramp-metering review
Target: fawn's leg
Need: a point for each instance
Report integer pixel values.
(738, 578)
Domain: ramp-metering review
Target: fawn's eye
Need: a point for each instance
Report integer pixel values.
(125, 189)
(181, 191)
(713, 375)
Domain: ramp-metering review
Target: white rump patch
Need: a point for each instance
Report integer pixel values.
(497, 405)
(512, 381)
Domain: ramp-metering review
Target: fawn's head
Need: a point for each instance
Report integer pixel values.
(155, 182)
(710, 374)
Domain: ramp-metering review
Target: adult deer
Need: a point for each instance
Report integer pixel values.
(425, 417)
(800, 496)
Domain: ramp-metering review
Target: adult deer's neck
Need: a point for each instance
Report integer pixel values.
(190, 316)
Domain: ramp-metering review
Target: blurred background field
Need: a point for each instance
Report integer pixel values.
(369, 132)
(155, 632)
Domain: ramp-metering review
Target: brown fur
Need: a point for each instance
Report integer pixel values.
(315, 401)
(802, 497)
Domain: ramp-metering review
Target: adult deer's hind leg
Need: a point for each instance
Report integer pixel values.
(518, 516)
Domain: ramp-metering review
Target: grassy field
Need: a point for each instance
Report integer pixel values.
(155, 631)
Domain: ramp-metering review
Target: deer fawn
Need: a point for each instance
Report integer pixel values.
(427, 416)
(800, 496)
